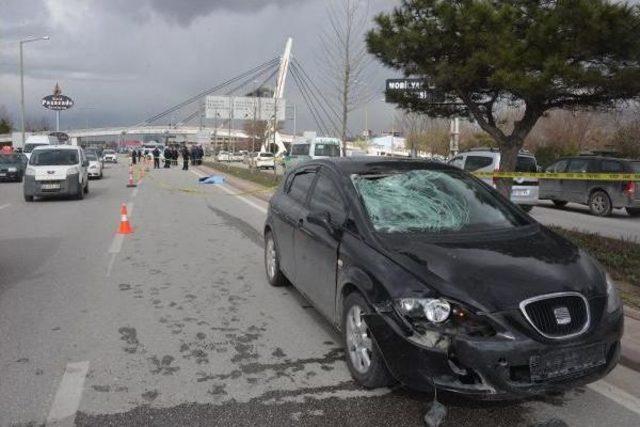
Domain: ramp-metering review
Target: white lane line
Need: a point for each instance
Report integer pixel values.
(67, 399)
(116, 244)
(616, 394)
(233, 193)
(5, 206)
(134, 193)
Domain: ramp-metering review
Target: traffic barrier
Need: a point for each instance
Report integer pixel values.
(131, 183)
(564, 175)
(125, 227)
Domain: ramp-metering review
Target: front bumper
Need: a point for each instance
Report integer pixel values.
(496, 368)
(10, 176)
(525, 195)
(67, 187)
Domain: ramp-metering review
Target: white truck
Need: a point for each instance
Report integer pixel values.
(34, 141)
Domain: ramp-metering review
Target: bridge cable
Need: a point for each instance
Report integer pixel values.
(310, 106)
(315, 97)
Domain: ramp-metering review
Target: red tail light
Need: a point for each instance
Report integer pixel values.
(630, 188)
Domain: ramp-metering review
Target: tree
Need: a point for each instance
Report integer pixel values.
(41, 124)
(626, 140)
(6, 124)
(344, 59)
(533, 55)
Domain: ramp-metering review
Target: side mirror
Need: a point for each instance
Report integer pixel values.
(323, 219)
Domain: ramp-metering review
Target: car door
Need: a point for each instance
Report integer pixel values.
(316, 247)
(285, 208)
(576, 190)
(615, 189)
(550, 188)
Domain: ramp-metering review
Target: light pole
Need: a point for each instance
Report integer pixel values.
(22, 42)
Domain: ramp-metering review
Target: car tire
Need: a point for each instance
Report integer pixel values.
(28, 198)
(560, 203)
(80, 193)
(633, 211)
(364, 358)
(272, 262)
(19, 179)
(86, 188)
(600, 203)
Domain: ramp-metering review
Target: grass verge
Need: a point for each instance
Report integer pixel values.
(621, 258)
(266, 179)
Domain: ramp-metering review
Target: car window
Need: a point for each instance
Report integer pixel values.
(326, 198)
(432, 201)
(578, 166)
(558, 167)
(611, 166)
(457, 161)
(54, 158)
(526, 164)
(301, 185)
(300, 149)
(635, 166)
(327, 150)
(474, 163)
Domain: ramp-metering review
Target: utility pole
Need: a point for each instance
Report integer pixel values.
(275, 126)
(22, 42)
(454, 137)
(230, 119)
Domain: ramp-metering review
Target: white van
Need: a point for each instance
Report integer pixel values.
(34, 141)
(313, 147)
(56, 170)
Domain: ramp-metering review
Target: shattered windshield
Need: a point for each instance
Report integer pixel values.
(431, 201)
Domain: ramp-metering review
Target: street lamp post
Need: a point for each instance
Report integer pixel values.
(22, 42)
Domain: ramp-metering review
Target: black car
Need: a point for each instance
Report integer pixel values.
(435, 279)
(12, 167)
(601, 196)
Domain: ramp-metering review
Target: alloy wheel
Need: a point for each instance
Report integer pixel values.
(359, 344)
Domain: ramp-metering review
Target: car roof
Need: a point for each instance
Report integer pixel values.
(55, 147)
(373, 164)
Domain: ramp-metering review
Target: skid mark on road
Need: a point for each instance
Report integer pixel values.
(67, 399)
(245, 228)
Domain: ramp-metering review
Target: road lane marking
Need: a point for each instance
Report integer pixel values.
(224, 188)
(616, 394)
(5, 206)
(67, 399)
(134, 193)
(116, 244)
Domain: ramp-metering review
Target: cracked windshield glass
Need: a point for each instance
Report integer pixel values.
(320, 212)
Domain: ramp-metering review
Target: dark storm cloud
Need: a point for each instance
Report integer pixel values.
(184, 12)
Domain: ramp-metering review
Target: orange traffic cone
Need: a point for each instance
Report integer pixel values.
(131, 183)
(125, 227)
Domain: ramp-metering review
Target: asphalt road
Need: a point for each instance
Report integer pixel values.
(176, 325)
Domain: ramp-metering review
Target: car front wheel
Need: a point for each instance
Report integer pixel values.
(560, 203)
(633, 211)
(272, 263)
(364, 358)
(600, 204)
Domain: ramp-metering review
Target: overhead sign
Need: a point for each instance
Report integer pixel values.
(396, 89)
(245, 108)
(57, 101)
(61, 136)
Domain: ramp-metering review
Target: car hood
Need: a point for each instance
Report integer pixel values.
(495, 273)
(52, 173)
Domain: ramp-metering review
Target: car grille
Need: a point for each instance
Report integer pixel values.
(558, 316)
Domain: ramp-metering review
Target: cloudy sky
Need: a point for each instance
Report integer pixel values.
(124, 60)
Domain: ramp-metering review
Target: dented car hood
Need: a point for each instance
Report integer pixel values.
(494, 273)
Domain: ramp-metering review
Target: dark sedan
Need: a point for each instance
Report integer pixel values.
(12, 167)
(434, 279)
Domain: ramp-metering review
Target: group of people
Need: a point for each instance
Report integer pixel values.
(171, 156)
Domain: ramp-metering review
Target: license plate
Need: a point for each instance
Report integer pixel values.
(521, 193)
(3, 174)
(566, 362)
(50, 186)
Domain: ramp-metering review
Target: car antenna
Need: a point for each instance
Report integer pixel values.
(437, 411)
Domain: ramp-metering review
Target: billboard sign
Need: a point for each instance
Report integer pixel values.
(57, 101)
(244, 108)
(398, 88)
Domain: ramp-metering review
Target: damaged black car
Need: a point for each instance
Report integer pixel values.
(436, 280)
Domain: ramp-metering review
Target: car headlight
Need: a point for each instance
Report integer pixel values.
(435, 310)
(30, 171)
(73, 171)
(613, 298)
(12, 169)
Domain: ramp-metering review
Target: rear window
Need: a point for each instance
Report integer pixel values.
(91, 156)
(526, 164)
(578, 165)
(474, 163)
(327, 150)
(54, 158)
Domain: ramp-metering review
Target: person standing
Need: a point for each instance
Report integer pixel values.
(156, 158)
(167, 158)
(134, 157)
(185, 158)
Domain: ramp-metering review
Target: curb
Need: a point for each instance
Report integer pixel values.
(241, 184)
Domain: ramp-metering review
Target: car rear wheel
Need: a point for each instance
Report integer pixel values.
(80, 193)
(600, 204)
(364, 358)
(633, 211)
(28, 198)
(272, 263)
(559, 203)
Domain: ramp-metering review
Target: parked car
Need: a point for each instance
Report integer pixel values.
(56, 170)
(524, 191)
(434, 279)
(601, 196)
(247, 158)
(12, 166)
(264, 161)
(238, 156)
(94, 170)
(109, 156)
(223, 156)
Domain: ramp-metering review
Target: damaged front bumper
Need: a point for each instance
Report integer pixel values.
(497, 367)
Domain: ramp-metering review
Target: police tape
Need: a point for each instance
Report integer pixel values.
(564, 175)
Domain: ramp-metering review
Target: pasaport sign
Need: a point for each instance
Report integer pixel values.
(57, 101)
